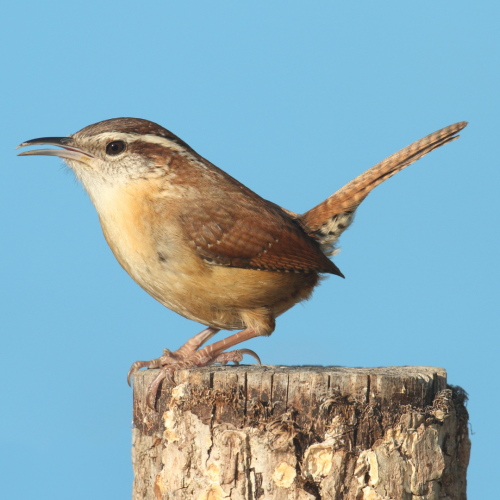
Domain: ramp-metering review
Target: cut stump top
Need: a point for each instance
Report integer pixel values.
(234, 392)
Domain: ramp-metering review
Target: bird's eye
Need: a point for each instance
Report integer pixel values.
(115, 148)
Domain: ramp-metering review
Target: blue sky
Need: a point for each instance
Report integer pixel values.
(294, 99)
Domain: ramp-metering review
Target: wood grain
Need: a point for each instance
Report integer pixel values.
(271, 432)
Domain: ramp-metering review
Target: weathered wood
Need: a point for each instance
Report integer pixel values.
(303, 433)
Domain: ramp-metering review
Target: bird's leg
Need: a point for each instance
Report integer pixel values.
(194, 343)
(168, 357)
(213, 353)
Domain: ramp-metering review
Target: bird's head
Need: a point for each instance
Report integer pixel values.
(114, 152)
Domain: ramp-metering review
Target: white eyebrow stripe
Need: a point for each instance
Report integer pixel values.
(152, 139)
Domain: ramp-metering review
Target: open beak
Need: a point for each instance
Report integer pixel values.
(70, 151)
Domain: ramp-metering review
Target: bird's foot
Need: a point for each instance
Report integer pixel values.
(189, 356)
(170, 358)
(167, 370)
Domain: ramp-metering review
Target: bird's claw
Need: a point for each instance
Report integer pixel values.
(166, 358)
(168, 365)
(134, 368)
(166, 373)
(235, 356)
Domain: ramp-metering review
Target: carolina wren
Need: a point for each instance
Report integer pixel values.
(202, 243)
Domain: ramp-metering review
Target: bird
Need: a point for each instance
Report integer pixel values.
(203, 244)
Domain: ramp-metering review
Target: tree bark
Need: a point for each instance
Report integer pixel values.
(301, 433)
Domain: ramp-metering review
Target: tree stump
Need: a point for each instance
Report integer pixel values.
(301, 433)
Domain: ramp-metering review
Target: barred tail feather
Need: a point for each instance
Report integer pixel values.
(330, 218)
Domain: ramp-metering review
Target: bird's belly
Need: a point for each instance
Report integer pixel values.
(215, 296)
(166, 267)
(154, 264)
(221, 296)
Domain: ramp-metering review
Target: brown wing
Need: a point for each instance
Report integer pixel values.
(235, 227)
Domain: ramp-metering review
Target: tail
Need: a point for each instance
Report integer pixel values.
(328, 220)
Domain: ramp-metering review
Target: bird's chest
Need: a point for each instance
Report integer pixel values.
(138, 235)
(126, 224)
(147, 242)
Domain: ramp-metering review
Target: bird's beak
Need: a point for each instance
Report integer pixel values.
(70, 151)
